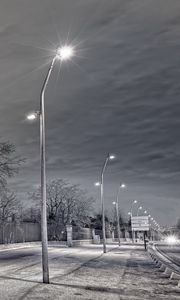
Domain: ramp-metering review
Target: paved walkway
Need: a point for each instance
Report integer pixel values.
(84, 273)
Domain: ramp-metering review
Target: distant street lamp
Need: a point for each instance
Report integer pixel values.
(101, 184)
(62, 53)
(131, 214)
(132, 205)
(139, 208)
(121, 186)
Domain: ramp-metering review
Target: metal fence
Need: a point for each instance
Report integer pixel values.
(19, 232)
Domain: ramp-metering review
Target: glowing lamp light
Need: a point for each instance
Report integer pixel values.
(65, 52)
(114, 203)
(97, 184)
(32, 116)
(171, 240)
(111, 157)
(123, 186)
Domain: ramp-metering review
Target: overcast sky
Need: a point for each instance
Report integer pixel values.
(120, 94)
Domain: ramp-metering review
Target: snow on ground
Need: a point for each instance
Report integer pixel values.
(84, 273)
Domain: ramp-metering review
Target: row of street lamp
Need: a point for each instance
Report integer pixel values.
(140, 208)
(64, 53)
(116, 203)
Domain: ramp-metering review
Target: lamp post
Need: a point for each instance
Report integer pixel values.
(139, 208)
(63, 53)
(101, 184)
(121, 186)
(132, 204)
(131, 214)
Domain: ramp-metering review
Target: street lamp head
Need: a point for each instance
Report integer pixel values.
(114, 203)
(135, 201)
(65, 52)
(149, 216)
(97, 183)
(111, 157)
(145, 212)
(129, 213)
(32, 116)
(122, 186)
(140, 207)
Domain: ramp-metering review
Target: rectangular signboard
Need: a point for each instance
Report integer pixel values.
(140, 223)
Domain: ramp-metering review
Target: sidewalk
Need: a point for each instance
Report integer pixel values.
(122, 273)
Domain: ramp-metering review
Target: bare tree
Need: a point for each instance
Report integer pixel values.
(9, 162)
(66, 204)
(178, 224)
(31, 214)
(9, 208)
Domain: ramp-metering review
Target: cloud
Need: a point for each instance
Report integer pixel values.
(120, 94)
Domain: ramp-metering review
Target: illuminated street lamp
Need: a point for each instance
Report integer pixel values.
(101, 184)
(62, 53)
(132, 204)
(32, 116)
(131, 214)
(121, 186)
(139, 208)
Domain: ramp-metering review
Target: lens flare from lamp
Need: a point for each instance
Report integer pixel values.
(171, 240)
(65, 52)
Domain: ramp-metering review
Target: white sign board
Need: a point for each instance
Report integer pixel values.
(140, 223)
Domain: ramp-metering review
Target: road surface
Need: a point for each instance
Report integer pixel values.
(84, 273)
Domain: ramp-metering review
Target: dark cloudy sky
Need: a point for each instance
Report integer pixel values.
(120, 94)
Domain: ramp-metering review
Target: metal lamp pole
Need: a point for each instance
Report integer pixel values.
(131, 214)
(44, 238)
(109, 157)
(139, 208)
(132, 204)
(63, 53)
(121, 186)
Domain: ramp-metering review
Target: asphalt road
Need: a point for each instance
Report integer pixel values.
(83, 273)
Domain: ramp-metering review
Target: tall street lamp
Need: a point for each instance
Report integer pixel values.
(62, 53)
(101, 184)
(121, 186)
